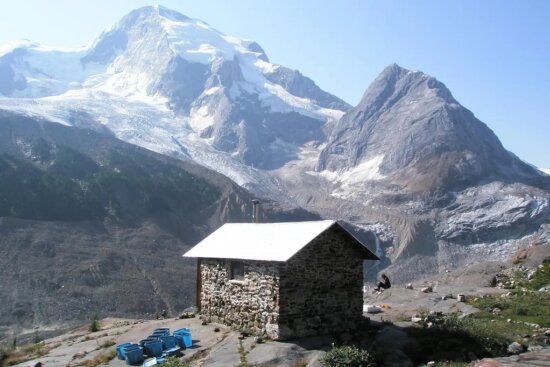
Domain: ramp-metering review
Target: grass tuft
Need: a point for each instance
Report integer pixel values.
(12, 356)
(103, 358)
(106, 344)
(175, 362)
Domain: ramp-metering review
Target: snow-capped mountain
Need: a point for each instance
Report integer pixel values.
(216, 87)
(408, 162)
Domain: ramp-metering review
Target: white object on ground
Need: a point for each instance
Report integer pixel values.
(371, 309)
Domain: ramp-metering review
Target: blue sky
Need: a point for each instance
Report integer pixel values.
(493, 55)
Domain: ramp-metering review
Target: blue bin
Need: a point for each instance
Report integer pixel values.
(131, 346)
(149, 339)
(159, 334)
(184, 339)
(133, 354)
(183, 329)
(120, 350)
(179, 340)
(153, 348)
(187, 340)
(165, 330)
(168, 342)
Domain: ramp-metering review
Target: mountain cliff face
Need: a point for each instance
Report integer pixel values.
(408, 162)
(419, 136)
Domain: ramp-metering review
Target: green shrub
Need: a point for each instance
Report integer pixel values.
(36, 338)
(525, 306)
(347, 356)
(94, 323)
(541, 277)
(174, 362)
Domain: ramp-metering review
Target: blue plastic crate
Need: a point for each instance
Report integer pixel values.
(179, 340)
(183, 329)
(187, 340)
(120, 350)
(168, 342)
(153, 348)
(184, 339)
(133, 354)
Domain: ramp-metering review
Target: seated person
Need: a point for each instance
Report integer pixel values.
(384, 284)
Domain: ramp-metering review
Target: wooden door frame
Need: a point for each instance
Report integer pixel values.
(199, 284)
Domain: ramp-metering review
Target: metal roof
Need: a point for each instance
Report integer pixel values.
(263, 241)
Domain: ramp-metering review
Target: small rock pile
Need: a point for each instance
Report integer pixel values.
(512, 277)
(431, 319)
(508, 278)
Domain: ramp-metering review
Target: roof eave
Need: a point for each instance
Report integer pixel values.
(369, 254)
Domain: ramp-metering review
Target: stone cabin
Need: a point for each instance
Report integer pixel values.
(285, 280)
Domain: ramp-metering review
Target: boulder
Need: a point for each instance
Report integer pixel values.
(371, 309)
(515, 348)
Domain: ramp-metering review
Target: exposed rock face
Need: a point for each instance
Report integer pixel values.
(299, 85)
(317, 292)
(425, 137)
(492, 212)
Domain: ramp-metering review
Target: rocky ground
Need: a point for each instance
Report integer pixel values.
(418, 313)
(213, 345)
(411, 329)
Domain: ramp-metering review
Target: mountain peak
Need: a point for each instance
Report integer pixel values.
(147, 12)
(394, 82)
(393, 69)
(154, 23)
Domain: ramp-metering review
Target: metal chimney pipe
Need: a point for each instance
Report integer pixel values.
(255, 210)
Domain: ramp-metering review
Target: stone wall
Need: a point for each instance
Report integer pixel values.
(250, 304)
(316, 292)
(321, 287)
